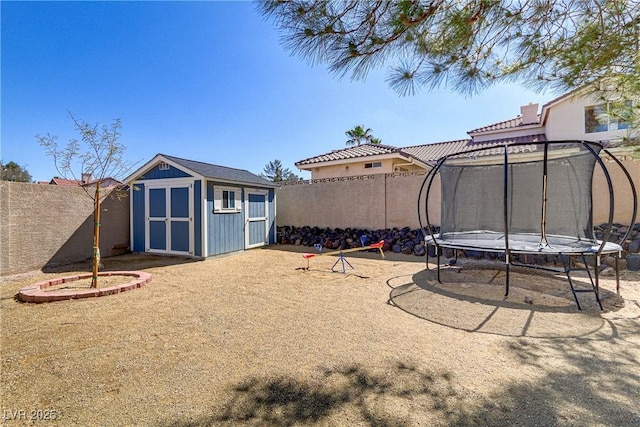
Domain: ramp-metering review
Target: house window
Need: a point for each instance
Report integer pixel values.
(228, 199)
(373, 165)
(607, 117)
(163, 166)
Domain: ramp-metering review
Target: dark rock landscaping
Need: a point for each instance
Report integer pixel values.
(411, 242)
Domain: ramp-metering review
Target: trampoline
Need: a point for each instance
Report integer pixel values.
(526, 198)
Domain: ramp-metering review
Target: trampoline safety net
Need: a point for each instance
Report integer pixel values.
(546, 189)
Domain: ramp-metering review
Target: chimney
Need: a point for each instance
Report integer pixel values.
(86, 177)
(529, 114)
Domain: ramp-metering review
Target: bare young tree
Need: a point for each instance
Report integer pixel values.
(99, 155)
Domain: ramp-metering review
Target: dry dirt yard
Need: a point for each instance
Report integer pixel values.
(254, 339)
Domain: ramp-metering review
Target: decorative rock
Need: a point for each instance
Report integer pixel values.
(541, 259)
(475, 254)
(528, 299)
(419, 250)
(608, 271)
(408, 241)
(622, 264)
(633, 262)
(490, 255)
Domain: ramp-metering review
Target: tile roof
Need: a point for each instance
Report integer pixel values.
(426, 153)
(64, 182)
(429, 153)
(506, 124)
(502, 141)
(224, 173)
(363, 150)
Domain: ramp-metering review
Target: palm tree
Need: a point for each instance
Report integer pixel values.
(359, 134)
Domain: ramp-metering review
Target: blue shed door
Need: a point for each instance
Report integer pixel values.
(256, 221)
(170, 219)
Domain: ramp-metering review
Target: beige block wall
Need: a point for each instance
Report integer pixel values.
(48, 225)
(623, 196)
(337, 204)
(391, 200)
(377, 202)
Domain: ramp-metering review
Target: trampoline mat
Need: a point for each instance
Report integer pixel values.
(521, 243)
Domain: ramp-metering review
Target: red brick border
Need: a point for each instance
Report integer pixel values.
(35, 293)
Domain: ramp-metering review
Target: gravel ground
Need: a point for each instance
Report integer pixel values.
(254, 339)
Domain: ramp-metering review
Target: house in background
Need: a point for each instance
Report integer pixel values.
(86, 181)
(360, 160)
(187, 207)
(572, 116)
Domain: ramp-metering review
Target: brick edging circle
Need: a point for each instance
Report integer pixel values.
(36, 292)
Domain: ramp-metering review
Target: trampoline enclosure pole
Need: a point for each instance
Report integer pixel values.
(505, 205)
(543, 219)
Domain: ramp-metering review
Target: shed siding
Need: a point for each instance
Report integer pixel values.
(197, 217)
(138, 218)
(257, 232)
(156, 173)
(227, 233)
(225, 230)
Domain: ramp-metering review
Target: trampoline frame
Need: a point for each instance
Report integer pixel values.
(599, 248)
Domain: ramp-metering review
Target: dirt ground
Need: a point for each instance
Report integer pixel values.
(254, 339)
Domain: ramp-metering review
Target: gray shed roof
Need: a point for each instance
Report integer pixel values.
(223, 173)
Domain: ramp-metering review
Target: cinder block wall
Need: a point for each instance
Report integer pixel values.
(47, 225)
(391, 200)
(373, 202)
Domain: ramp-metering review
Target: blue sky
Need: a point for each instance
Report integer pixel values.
(206, 81)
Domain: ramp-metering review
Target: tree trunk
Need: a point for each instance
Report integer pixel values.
(96, 236)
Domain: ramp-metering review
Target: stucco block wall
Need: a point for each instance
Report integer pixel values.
(372, 202)
(391, 200)
(48, 225)
(623, 197)
(358, 202)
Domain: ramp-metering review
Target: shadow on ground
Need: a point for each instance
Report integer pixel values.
(403, 395)
(538, 305)
(129, 262)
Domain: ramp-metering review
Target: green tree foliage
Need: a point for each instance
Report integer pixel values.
(98, 153)
(468, 44)
(274, 171)
(359, 135)
(12, 171)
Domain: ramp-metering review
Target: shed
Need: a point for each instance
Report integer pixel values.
(187, 207)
